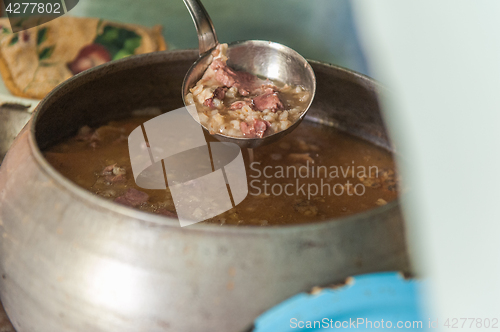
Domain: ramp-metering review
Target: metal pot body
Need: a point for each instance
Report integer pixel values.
(71, 261)
(11, 122)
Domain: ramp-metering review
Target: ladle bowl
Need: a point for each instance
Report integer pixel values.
(267, 59)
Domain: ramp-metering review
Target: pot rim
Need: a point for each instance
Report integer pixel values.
(150, 218)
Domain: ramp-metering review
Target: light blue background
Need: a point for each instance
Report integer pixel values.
(318, 29)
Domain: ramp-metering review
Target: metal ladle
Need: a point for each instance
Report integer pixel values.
(261, 58)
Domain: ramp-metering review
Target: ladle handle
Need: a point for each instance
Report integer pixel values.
(207, 39)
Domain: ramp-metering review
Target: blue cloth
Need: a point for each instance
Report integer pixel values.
(368, 303)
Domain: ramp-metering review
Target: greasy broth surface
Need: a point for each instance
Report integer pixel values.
(83, 162)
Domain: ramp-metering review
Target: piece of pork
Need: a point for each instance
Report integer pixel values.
(240, 103)
(209, 102)
(269, 99)
(132, 197)
(243, 81)
(219, 94)
(167, 213)
(255, 129)
(114, 174)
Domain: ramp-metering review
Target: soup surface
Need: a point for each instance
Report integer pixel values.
(315, 173)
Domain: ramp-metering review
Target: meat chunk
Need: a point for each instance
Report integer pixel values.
(245, 82)
(260, 128)
(247, 130)
(240, 103)
(114, 174)
(113, 169)
(132, 197)
(108, 169)
(115, 178)
(223, 73)
(119, 170)
(220, 92)
(167, 213)
(268, 100)
(209, 103)
(255, 129)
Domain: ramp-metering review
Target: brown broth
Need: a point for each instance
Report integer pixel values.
(83, 161)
